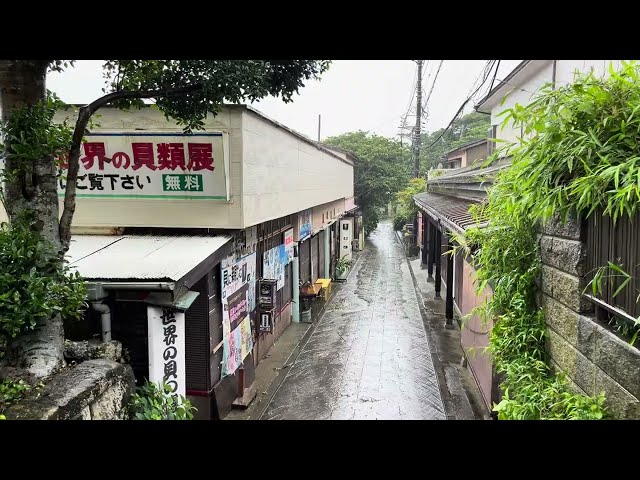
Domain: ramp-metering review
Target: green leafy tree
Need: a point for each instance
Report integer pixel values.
(381, 169)
(406, 208)
(473, 126)
(185, 90)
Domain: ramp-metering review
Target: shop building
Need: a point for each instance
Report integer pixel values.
(174, 232)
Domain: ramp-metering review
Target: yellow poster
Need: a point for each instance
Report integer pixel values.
(245, 335)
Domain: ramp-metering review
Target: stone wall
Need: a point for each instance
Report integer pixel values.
(93, 390)
(593, 357)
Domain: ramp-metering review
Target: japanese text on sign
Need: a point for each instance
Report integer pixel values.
(167, 348)
(151, 165)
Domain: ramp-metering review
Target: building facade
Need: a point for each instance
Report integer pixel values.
(195, 246)
(580, 340)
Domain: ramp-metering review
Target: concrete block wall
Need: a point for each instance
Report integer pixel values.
(593, 357)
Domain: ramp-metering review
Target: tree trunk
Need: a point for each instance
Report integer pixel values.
(22, 83)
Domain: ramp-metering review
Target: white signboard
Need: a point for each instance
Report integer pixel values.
(346, 237)
(138, 165)
(288, 243)
(166, 348)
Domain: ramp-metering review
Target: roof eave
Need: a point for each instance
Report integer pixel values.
(482, 106)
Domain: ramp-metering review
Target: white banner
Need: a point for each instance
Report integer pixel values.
(288, 244)
(166, 348)
(146, 165)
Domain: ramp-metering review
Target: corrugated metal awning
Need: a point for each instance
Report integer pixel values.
(140, 257)
(451, 211)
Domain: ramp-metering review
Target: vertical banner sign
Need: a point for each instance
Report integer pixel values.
(238, 300)
(148, 165)
(166, 348)
(236, 273)
(304, 219)
(288, 244)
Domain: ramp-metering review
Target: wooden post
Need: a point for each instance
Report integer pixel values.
(449, 300)
(438, 261)
(431, 250)
(425, 243)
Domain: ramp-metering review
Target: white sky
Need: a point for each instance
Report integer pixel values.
(369, 95)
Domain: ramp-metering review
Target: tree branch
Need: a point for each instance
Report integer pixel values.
(84, 115)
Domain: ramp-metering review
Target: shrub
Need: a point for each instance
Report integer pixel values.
(34, 283)
(156, 402)
(11, 392)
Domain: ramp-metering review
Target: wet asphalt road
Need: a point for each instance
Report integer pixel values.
(369, 356)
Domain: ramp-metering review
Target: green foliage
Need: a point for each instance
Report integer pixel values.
(11, 392)
(30, 135)
(581, 147)
(473, 126)
(382, 169)
(156, 402)
(399, 222)
(212, 82)
(34, 283)
(406, 208)
(613, 275)
(579, 153)
(342, 264)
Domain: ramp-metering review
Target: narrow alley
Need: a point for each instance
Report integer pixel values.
(369, 357)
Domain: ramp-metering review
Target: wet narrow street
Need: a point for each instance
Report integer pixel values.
(369, 356)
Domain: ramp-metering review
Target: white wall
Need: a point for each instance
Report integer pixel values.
(534, 76)
(157, 212)
(283, 174)
(273, 173)
(327, 211)
(521, 91)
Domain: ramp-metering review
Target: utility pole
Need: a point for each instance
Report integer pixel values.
(319, 119)
(416, 141)
(416, 138)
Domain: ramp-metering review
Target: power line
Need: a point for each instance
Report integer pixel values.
(494, 77)
(433, 85)
(486, 75)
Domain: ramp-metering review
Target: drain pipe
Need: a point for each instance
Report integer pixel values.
(105, 319)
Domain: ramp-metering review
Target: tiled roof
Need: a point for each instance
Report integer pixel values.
(451, 211)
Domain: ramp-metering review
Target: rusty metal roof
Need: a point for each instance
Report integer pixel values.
(453, 212)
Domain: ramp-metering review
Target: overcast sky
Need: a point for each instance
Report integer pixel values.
(369, 95)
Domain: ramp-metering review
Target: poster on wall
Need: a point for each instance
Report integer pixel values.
(235, 273)
(239, 345)
(274, 262)
(305, 224)
(166, 337)
(238, 300)
(288, 244)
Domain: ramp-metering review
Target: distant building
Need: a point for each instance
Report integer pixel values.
(466, 155)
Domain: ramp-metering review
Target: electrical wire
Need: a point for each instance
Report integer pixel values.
(433, 85)
(486, 75)
(494, 77)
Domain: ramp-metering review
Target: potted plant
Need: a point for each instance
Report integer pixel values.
(342, 268)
